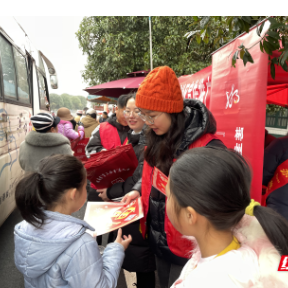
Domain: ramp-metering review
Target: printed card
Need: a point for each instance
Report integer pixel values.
(159, 180)
(109, 216)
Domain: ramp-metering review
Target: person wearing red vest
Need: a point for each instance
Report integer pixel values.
(106, 136)
(110, 134)
(175, 125)
(275, 176)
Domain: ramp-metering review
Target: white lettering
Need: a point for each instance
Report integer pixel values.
(239, 133)
(238, 148)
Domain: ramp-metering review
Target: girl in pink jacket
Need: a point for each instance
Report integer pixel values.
(236, 242)
(65, 127)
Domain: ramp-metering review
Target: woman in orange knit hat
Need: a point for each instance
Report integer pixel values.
(174, 126)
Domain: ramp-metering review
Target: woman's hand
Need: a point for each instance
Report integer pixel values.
(131, 196)
(124, 242)
(103, 194)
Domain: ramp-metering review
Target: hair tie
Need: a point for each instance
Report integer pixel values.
(250, 208)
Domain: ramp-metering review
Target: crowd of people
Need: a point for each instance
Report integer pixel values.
(206, 231)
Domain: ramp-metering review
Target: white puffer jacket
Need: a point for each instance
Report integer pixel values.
(254, 265)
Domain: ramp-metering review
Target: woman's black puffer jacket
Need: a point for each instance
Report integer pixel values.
(138, 256)
(198, 122)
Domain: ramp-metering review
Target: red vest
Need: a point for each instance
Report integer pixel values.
(279, 179)
(177, 244)
(109, 136)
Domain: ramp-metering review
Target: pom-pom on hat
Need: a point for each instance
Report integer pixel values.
(160, 91)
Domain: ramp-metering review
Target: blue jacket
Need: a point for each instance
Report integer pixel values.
(274, 155)
(62, 254)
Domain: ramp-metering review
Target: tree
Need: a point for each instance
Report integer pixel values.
(76, 103)
(83, 101)
(213, 32)
(56, 101)
(118, 45)
(66, 101)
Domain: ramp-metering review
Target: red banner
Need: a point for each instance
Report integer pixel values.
(197, 86)
(239, 103)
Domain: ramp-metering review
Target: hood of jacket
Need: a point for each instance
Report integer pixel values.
(113, 121)
(36, 250)
(88, 121)
(45, 139)
(198, 121)
(249, 233)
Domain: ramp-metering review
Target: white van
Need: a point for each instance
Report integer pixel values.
(23, 92)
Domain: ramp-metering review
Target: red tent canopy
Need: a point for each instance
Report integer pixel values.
(116, 88)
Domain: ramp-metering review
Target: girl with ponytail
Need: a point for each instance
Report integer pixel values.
(51, 247)
(237, 243)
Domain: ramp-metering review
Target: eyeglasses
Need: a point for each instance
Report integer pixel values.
(147, 118)
(128, 113)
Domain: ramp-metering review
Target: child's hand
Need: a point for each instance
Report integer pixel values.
(124, 242)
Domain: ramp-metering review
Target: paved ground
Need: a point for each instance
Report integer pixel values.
(10, 277)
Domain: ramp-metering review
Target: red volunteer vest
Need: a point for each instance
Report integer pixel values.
(109, 136)
(279, 179)
(177, 244)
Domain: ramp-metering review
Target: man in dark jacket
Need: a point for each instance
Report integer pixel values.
(274, 155)
(104, 117)
(105, 136)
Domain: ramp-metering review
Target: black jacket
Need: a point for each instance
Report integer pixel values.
(138, 256)
(274, 155)
(198, 122)
(101, 120)
(94, 145)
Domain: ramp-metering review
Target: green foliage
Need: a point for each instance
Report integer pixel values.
(69, 101)
(271, 108)
(118, 45)
(215, 31)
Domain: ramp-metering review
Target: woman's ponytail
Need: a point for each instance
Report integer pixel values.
(28, 199)
(43, 190)
(275, 227)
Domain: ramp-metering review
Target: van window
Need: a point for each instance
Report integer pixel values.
(43, 91)
(8, 69)
(22, 77)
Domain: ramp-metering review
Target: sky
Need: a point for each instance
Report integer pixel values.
(55, 37)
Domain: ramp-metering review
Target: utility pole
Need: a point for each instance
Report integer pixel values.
(151, 59)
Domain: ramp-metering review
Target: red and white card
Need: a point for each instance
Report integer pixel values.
(159, 180)
(109, 216)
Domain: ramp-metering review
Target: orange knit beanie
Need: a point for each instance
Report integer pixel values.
(160, 91)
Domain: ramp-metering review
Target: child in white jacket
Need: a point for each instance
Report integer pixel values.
(208, 193)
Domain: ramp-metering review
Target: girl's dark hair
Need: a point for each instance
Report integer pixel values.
(73, 123)
(161, 150)
(216, 183)
(42, 190)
